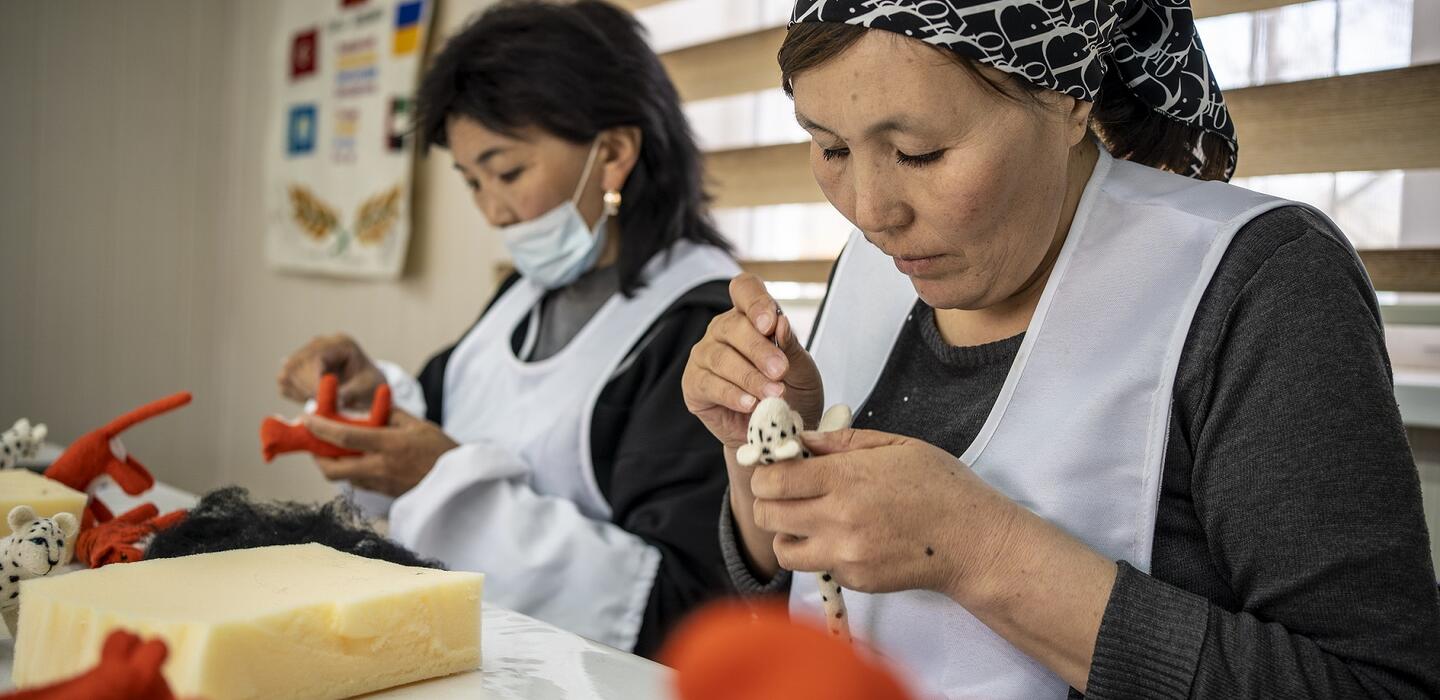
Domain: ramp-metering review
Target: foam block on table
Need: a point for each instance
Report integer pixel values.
(296, 621)
(21, 487)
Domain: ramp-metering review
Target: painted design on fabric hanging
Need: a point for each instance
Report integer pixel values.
(304, 53)
(397, 125)
(375, 218)
(1066, 46)
(338, 142)
(300, 130)
(407, 26)
(314, 218)
(347, 126)
(358, 68)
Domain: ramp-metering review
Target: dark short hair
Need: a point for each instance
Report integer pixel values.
(574, 70)
(1129, 128)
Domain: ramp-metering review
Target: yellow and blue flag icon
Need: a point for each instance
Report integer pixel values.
(407, 26)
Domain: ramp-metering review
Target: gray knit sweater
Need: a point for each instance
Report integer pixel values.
(1291, 558)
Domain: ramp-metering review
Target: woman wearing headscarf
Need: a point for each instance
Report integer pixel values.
(1120, 427)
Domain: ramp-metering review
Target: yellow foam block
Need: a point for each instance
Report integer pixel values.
(298, 621)
(21, 487)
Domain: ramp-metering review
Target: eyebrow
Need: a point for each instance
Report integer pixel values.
(488, 154)
(808, 125)
(888, 125)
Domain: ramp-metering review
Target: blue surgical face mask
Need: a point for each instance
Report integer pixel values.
(555, 248)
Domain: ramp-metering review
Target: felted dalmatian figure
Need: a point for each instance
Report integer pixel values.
(36, 547)
(21, 441)
(773, 436)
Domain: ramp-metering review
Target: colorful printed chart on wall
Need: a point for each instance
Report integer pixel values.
(337, 188)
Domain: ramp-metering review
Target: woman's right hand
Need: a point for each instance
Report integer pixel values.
(337, 354)
(737, 364)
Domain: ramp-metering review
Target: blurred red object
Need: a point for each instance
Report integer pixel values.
(100, 452)
(129, 669)
(739, 651)
(278, 437)
(117, 540)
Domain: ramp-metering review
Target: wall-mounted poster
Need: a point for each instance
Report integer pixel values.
(337, 179)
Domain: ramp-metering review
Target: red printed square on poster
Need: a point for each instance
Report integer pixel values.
(304, 52)
(351, 3)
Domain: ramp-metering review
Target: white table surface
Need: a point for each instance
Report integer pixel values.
(521, 658)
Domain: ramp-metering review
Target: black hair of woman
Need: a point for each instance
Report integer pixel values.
(574, 70)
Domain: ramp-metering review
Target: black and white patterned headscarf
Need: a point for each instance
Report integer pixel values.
(1066, 46)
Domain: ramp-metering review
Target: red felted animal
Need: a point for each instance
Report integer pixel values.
(100, 452)
(129, 669)
(735, 650)
(278, 437)
(118, 540)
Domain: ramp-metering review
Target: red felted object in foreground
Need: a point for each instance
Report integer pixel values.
(117, 540)
(100, 452)
(129, 669)
(734, 650)
(278, 437)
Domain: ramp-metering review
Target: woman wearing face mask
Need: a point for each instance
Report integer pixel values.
(1118, 429)
(550, 447)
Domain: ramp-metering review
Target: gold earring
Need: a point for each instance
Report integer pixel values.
(612, 202)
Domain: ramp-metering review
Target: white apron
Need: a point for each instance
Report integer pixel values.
(1078, 432)
(518, 500)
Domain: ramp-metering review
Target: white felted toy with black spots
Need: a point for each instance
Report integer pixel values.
(21, 441)
(774, 436)
(36, 547)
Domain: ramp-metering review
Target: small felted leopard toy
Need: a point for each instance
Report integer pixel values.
(773, 436)
(21, 441)
(36, 546)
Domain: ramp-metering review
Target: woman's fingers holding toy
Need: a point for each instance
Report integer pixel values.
(300, 372)
(805, 553)
(722, 385)
(333, 354)
(800, 518)
(735, 330)
(402, 419)
(728, 364)
(759, 330)
(753, 301)
(791, 480)
(849, 440)
(363, 471)
(720, 405)
(763, 314)
(396, 457)
(349, 437)
(883, 512)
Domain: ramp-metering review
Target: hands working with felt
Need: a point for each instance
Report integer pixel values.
(880, 512)
(385, 456)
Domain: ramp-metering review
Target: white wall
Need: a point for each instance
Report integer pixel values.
(131, 241)
(108, 193)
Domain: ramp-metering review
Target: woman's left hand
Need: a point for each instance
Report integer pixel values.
(395, 457)
(886, 513)
(883, 513)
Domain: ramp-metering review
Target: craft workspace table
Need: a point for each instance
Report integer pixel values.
(521, 657)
